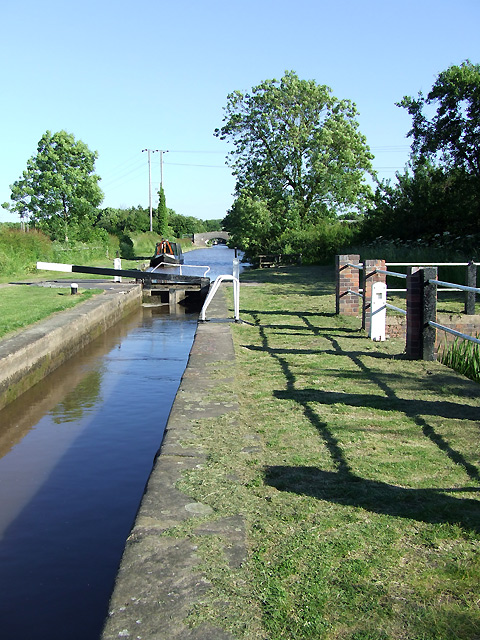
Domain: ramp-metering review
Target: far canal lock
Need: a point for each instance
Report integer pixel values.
(189, 292)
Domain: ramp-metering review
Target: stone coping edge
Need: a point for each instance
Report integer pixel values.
(159, 580)
(28, 356)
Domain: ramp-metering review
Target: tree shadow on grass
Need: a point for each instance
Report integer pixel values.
(287, 312)
(322, 278)
(341, 487)
(412, 408)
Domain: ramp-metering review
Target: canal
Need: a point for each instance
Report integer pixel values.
(76, 452)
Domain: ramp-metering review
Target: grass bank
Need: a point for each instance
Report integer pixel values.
(22, 305)
(356, 473)
(19, 253)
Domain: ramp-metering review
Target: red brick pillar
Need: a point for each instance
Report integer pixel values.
(347, 279)
(369, 277)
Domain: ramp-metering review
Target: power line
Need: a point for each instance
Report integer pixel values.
(196, 151)
(185, 164)
(114, 180)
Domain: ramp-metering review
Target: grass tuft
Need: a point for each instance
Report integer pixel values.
(462, 356)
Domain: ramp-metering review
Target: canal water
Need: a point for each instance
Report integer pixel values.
(75, 455)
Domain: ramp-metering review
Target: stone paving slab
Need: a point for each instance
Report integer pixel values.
(159, 580)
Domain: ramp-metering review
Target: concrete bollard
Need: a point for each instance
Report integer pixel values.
(73, 288)
(117, 264)
(378, 311)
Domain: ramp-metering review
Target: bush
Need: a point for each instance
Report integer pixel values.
(443, 247)
(19, 251)
(126, 247)
(318, 244)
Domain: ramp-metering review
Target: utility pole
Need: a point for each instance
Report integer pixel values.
(149, 151)
(162, 151)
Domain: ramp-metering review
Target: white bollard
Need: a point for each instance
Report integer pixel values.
(73, 288)
(236, 268)
(117, 264)
(378, 311)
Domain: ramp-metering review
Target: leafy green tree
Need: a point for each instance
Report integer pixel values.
(135, 219)
(161, 215)
(427, 200)
(109, 219)
(452, 135)
(251, 225)
(184, 225)
(213, 225)
(59, 190)
(297, 147)
(440, 190)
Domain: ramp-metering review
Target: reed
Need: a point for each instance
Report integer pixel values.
(463, 356)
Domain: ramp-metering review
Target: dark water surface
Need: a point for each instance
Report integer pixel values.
(71, 480)
(75, 455)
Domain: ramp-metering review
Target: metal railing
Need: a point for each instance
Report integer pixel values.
(394, 308)
(455, 333)
(421, 300)
(395, 275)
(391, 273)
(213, 290)
(459, 287)
(182, 266)
(441, 327)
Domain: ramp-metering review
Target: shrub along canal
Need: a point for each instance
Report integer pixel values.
(76, 452)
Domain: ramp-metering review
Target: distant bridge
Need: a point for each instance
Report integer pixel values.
(204, 238)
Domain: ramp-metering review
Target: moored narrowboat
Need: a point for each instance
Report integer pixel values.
(166, 253)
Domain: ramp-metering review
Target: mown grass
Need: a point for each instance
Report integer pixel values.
(22, 305)
(356, 473)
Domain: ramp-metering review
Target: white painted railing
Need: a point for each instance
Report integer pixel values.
(213, 290)
(182, 266)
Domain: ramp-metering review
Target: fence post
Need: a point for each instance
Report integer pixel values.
(429, 313)
(413, 347)
(471, 282)
(369, 277)
(421, 308)
(346, 279)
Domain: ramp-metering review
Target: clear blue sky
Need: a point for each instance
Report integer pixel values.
(125, 76)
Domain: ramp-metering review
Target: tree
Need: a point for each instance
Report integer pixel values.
(59, 190)
(452, 135)
(213, 225)
(442, 192)
(297, 148)
(251, 225)
(161, 216)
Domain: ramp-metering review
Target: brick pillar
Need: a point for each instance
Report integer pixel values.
(346, 279)
(421, 307)
(369, 277)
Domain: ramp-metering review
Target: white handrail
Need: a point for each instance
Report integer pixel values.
(173, 264)
(427, 264)
(213, 290)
